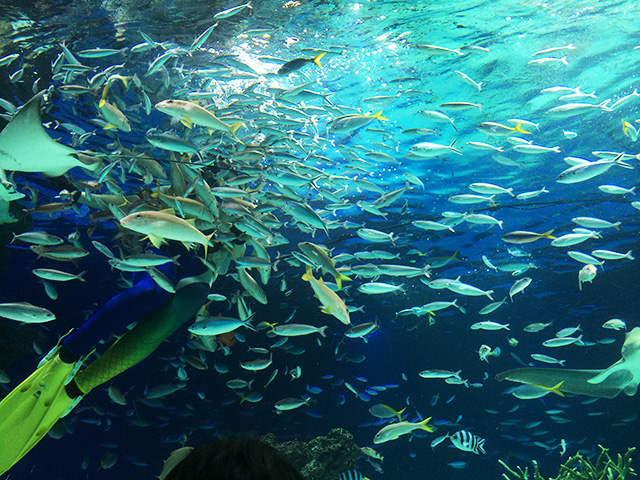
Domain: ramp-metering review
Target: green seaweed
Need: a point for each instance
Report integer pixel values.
(578, 467)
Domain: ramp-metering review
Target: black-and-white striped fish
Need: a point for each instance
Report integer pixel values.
(468, 442)
(351, 475)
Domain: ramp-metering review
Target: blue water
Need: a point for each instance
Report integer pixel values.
(372, 51)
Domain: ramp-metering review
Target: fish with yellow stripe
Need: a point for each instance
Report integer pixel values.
(190, 114)
(331, 302)
(161, 225)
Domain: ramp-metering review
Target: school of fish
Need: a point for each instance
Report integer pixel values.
(286, 183)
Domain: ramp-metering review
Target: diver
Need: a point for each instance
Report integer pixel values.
(229, 459)
(31, 409)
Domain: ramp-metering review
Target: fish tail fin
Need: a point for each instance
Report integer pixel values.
(556, 389)
(103, 98)
(548, 234)
(399, 414)
(234, 128)
(424, 426)
(80, 277)
(519, 129)
(322, 329)
(378, 116)
(340, 278)
(605, 105)
(308, 275)
(206, 245)
(317, 59)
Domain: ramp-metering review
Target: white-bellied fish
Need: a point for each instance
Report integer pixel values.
(218, 326)
(522, 236)
(159, 226)
(190, 114)
(547, 359)
(615, 324)
(611, 255)
(395, 430)
(586, 274)
(25, 312)
(519, 286)
(487, 325)
(562, 341)
(297, 330)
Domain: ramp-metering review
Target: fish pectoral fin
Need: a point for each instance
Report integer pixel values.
(631, 389)
(327, 310)
(601, 377)
(155, 240)
(188, 245)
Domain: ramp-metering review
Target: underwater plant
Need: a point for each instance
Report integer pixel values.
(582, 468)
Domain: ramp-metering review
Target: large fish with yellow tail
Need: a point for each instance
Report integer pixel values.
(160, 225)
(190, 114)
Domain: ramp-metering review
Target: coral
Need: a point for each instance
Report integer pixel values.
(322, 458)
(582, 468)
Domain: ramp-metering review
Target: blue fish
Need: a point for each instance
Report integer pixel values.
(314, 390)
(313, 413)
(458, 464)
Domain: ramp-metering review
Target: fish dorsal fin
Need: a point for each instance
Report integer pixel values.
(168, 211)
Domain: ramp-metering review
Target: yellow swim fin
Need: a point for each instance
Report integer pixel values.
(29, 411)
(34, 406)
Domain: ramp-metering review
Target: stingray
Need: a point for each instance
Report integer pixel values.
(622, 376)
(25, 146)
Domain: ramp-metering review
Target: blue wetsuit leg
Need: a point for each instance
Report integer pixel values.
(127, 307)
